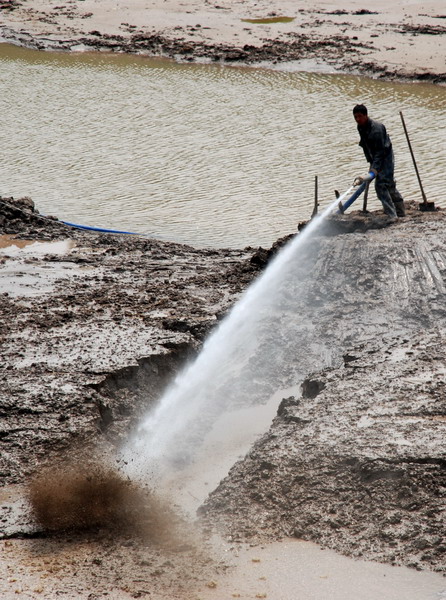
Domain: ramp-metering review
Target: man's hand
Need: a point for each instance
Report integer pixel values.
(364, 178)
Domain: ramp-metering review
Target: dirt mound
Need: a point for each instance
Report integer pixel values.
(19, 217)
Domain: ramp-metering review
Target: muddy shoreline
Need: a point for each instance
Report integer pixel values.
(354, 460)
(93, 326)
(379, 43)
(144, 308)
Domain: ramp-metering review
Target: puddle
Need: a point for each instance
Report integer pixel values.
(268, 20)
(23, 273)
(10, 246)
(299, 570)
(231, 437)
(29, 280)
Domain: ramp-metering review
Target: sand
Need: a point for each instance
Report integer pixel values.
(397, 39)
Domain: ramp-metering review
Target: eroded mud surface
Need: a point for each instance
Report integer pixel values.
(92, 328)
(76, 325)
(354, 459)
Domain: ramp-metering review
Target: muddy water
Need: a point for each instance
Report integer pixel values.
(230, 438)
(24, 275)
(201, 154)
(298, 570)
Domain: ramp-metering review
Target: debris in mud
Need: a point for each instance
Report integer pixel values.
(262, 256)
(339, 12)
(10, 5)
(423, 29)
(365, 11)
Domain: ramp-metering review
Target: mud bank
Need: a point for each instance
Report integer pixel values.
(391, 42)
(93, 326)
(91, 329)
(94, 329)
(355, 458)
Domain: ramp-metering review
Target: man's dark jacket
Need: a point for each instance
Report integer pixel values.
(376, 144)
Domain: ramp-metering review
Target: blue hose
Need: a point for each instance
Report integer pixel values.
(88, 228)
(357, 193)
(352, 198)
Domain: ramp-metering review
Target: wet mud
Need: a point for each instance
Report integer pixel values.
(90, 335)
(353, 461)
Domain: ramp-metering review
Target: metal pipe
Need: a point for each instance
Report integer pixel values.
(413, 158)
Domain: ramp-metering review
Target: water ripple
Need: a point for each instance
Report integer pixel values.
(199, 154)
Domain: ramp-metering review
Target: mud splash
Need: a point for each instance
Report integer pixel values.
(88, 496)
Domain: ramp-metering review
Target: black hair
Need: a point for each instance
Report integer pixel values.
(360, 108)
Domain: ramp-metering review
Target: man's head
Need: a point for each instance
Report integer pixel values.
(360, 114)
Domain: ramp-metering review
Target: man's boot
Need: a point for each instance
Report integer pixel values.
(400, 210)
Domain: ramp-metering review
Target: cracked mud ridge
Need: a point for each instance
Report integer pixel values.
(93, 327)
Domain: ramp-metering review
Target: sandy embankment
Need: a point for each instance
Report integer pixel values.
(403, 40)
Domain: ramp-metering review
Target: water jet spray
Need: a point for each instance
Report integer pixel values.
(169, 436)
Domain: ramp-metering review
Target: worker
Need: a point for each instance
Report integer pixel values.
(377, 148)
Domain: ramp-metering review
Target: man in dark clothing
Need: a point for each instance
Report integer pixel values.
(377, 148)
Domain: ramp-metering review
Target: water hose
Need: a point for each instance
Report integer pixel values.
(363, 186)
(90, 228)
(343, 206)
(75, 225)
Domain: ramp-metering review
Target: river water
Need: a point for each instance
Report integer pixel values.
(201, 154)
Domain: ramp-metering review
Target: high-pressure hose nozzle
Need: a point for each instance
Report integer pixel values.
(364, 178)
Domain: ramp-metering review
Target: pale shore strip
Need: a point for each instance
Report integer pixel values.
(388, 39)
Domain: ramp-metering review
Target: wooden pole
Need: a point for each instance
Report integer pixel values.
(314, 213)
(366, 193)
(413, 158)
